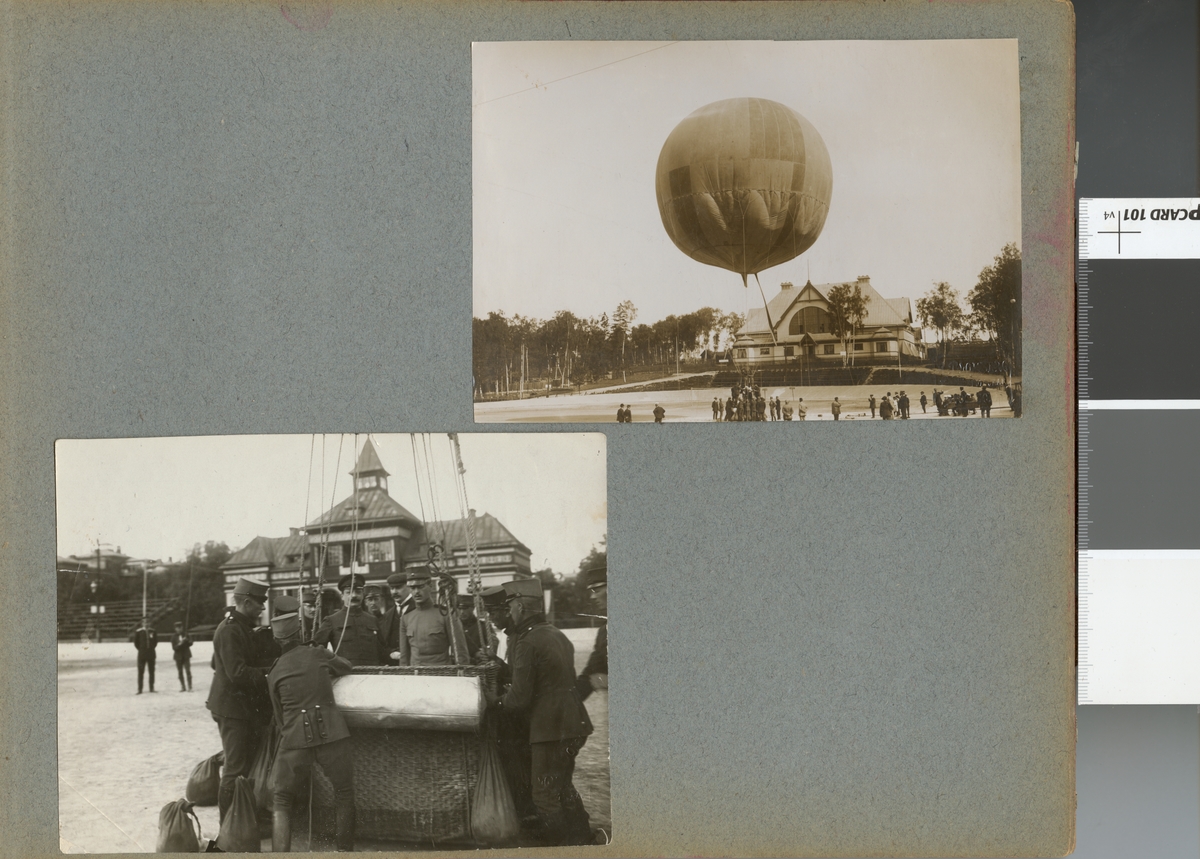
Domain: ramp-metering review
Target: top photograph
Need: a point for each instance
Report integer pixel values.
(669, 232)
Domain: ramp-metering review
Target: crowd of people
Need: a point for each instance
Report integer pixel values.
(283, 673)
(746, 403)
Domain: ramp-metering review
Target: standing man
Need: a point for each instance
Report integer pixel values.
(512, 729)
(429, 635)
(311, 728)
(373, 601)
(924, 401)
(620, 413)
(836, 408)
(985, 401)
(659, 413)
(543, 685)
(238, 697)
(145, 639)
(181, 644)
(716, 409)
(801, 409)
(904, 405)
(871, 403)
(595, 674)
(389, 624)
(352, 632)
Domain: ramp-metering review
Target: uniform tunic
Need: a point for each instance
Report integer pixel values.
(361, 644)
(543, 685)
(311, 727)
(425, 635)
(237, 699)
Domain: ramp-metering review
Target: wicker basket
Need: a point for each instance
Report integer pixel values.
(410, 785)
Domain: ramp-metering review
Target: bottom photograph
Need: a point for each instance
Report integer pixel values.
(369, 642)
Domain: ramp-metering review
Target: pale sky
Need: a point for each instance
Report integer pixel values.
(156, 497)
(924, 138)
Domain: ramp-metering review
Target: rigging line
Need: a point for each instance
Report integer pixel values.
(770, 324)
(573, 75)
(412, 437)
(433, 494)
(353, 555)
(329, 515)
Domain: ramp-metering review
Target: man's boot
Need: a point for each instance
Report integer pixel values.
(281, 831)
(345, 827)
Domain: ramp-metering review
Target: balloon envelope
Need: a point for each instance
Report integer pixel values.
(744, 184)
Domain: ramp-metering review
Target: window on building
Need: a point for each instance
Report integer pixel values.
(765, 350)
(380, 550)
(333, 556)
(812, 320)
(741, 353)
(858, 347)
(828, 350)
(789, 351)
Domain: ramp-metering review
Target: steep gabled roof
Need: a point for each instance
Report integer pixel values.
(373, 504)
(273, 552)
(880, 310)
(368, 461)
(488, 533)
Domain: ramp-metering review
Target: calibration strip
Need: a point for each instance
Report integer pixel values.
(1139, 467)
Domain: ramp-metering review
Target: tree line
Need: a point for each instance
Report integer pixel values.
(517, 352)
(992, 313)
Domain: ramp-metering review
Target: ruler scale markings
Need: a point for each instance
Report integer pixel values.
(1136, 608)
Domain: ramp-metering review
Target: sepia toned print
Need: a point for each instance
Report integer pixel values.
(746, 231)
(399, 669)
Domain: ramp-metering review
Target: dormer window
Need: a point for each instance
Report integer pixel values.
(368, 482)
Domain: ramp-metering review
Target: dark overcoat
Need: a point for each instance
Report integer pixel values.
(543, 684)
(239, 685)
(361, 643)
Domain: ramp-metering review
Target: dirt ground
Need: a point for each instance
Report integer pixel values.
(695, 406)
(122, 756)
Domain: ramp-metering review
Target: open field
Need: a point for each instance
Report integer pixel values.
(122, 756)
(695, 406)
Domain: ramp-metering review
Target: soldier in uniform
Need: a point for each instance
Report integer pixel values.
(427, 631)
(352, 632)
(543, 686)
(238, 697)
(594, 676)
(373, 602)
(470, 624)
(311, 728)
(512, 728)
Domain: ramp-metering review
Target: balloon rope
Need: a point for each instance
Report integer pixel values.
(770, 324)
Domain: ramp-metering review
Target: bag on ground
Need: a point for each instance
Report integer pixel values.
(239, 830)
(260, 770)
(175, 831)
(205, 780)
(493, 814)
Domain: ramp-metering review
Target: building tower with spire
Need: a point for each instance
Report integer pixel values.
(373, 535)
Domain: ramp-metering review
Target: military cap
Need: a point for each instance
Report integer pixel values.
(285, 617)
(374, 587)
(417, 574)
(596, 576)
(493, 597)
(310, 598)
(397, 579)
(522, 588)
(250, 588)
(284, 606)
(353, 581)
(466, 601)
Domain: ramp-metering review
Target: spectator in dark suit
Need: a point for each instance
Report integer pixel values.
(145, 639)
